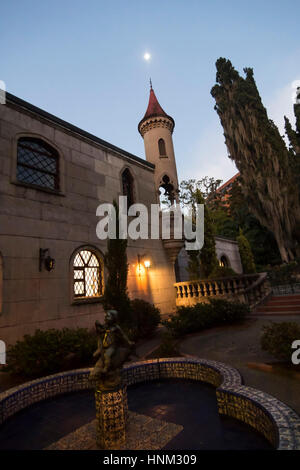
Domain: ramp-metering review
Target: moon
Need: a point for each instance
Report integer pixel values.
(147, 56)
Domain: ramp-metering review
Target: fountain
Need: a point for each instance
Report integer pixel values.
(174, 403)
(110, 392)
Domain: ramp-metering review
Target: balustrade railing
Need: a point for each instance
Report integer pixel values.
(249, 288)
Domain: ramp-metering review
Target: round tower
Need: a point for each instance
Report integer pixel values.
(156, 128)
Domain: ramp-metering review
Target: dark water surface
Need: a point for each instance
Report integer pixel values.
(190, 404)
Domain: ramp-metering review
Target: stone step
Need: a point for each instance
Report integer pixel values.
(283, 302)
(278, 308)
(284, 297)
(282, 314)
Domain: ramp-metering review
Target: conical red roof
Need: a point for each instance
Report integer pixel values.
(154, 109)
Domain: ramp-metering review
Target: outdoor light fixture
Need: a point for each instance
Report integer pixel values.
(141, 265)
(46, 260)
(147, 262)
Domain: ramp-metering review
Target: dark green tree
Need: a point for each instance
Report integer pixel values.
(204, 261)
(246, 255)
(208, 257)
(294, 139)
(116, 294)
(260, 154)
(262, 241)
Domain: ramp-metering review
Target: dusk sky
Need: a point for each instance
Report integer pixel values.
(83, 62)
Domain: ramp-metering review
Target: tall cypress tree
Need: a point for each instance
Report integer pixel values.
(294, 139)
(260, 154)
(116, 294)
(201, 262)
(208, 257)
(247, 258)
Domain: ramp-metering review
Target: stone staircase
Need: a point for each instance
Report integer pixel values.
(279, 305)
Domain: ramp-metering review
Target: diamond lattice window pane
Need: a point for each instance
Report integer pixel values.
(37, 163)
(91, 282)
(28, 175)
(78, 261)
(87, 268)
(79, 288)
(93, 261)
(41, 162)
(78, 274)
(85, 255)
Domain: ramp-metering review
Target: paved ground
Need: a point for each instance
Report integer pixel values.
(188, 404)
(239, 345)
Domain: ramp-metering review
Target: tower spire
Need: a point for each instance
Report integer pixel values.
(154, 109)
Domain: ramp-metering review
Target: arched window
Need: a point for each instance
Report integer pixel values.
(167, 195)
(224, 261)
(88, 275)
(162, 148)
(37, 163)
(127, 186)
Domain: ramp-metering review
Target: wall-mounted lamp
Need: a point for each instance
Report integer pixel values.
(146, 262)
(142, 264)
(47, 261)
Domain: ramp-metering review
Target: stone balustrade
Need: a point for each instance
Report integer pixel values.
(248, 288)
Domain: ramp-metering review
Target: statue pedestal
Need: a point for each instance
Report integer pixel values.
(111, 417)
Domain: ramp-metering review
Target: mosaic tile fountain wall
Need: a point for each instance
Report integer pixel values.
(275, 420)
(111, 417)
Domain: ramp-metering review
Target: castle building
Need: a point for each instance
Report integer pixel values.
(53, 177)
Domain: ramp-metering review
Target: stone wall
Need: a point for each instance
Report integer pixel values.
(224, 247)
(30, 219)
(229, 249)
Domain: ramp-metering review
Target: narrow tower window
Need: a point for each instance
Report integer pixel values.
(127, 186)
(162, 148)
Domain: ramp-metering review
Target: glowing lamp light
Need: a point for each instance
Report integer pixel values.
(142, 264)
(140, 270)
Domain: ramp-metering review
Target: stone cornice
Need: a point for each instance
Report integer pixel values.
(147, 124)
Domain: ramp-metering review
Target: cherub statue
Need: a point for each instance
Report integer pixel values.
(113, 350)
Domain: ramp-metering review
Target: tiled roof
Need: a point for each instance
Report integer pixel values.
(154, 108)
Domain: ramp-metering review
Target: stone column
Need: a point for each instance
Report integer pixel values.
(111, 417)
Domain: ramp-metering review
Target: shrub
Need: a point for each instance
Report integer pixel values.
(206, 315)
(144, 319)
(284, 274)
(47, 352)
(277, 339)
(167, 348)
(222, 271)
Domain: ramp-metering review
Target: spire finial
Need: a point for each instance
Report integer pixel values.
(150, 84)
